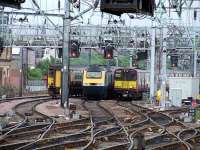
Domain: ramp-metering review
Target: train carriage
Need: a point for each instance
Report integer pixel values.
(76, 76)
(54, 81)
(130, 82)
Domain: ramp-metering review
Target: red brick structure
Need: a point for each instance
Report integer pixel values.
(10, 69)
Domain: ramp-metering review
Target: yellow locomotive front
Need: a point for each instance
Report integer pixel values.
(96, 82)
(125, 82)
(54, 80)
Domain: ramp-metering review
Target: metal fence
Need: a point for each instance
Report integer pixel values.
(37, 82)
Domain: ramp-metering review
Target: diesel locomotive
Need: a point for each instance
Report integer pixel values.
(97, 82)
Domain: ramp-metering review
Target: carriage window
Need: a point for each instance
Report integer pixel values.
(118, 74)
(78, 76)
(131, 75)
(93, 74)
(51, 73)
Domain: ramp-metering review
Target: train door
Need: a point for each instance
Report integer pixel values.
(57, 78)
(51, 77)
(118, 79)
(124, 79)
(131, 78)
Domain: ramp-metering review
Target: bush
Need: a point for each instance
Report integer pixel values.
(44, 65)
(41, 69)
(34, 74)
(9, 91)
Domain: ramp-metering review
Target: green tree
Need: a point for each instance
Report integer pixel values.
(41, 69)
(123, 60)
(34, 74)
(44, 64)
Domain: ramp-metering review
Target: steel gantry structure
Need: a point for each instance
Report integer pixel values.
(183, 41)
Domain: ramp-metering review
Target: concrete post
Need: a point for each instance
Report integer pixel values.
(163, 74)
(65, 55)
(152, 74)
(195, 57)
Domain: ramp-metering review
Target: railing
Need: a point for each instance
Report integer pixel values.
(37, 82)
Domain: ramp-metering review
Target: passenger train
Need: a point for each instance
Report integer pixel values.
(100, 82)
(54, 81)
(131, 83)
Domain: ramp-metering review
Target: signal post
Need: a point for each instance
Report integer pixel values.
(65, 56)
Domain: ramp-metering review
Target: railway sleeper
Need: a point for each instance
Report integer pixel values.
(172, 146)
(64, 145)
(13, 146)
(56, 140)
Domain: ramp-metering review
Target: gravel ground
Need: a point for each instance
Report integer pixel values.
(53, 108)
(122, 113)
(8, 106)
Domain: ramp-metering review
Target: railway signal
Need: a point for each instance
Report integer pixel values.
(108, 52)
(11, 3)
(74, 49)
(142, 55)
(174, 61)
(118, 7)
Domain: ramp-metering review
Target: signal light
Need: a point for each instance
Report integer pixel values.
(195, 15)
(118, 7)
(108, 52)
(73, 54)
(174, 61)
(12, 3)
(74, 49)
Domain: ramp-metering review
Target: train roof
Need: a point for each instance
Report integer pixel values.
(97, 68)
(75, 67)
(132, 68)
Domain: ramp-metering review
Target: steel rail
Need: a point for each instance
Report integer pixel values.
(163, 126)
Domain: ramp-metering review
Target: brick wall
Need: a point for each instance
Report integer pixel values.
(15, 78)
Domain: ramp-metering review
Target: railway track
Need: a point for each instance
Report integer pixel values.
(9, 120)
(166, 123)
(22, 98)
(32, 123)
(105, 124)
(67, 140)
(110, 125)
(26, 110)
(57, 135)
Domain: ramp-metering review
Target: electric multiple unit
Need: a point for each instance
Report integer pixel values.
(129, 82)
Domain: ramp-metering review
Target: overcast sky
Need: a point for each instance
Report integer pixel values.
(51, 6)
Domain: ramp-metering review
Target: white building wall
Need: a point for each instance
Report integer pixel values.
(187, 86)
(48, 53)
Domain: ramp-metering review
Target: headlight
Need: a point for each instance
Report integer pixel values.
(100, 84)
(86, 84)
(90, 84)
